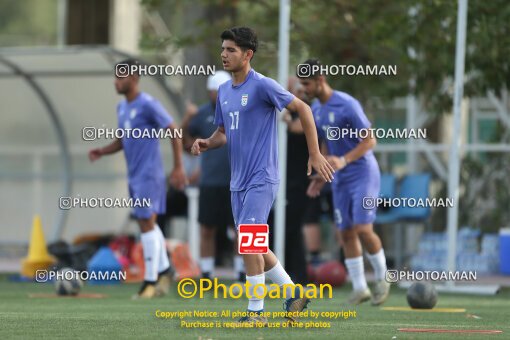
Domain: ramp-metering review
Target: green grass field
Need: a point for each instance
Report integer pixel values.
(117, 316)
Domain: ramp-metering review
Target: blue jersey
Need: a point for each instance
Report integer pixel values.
(359, 179)
(143, 155)
(344, 112)
(247, 111)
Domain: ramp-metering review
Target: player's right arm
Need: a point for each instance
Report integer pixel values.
(113, 147)
(217, 139)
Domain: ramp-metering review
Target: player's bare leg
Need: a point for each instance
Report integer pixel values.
(355, 267)
(295, 300)
(239, 263)
(254, 264)
(372, 243)
(239, 268)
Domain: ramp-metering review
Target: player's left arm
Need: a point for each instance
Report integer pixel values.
(358, 121)
(178, 176)
(316, 160)
(361, 149)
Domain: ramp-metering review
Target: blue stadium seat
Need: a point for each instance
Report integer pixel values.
(388, 185)
(415, 186)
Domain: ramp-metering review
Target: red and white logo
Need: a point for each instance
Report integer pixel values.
(253, 239)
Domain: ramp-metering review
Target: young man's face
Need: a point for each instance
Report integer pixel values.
(124, 84)
(233, 57)
(311, 86)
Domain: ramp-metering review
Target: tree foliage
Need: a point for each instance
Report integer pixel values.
(416, 35)
(28, 22)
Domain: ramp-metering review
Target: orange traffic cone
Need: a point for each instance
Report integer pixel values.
(136, 269)
(38, 257)
(182, 262)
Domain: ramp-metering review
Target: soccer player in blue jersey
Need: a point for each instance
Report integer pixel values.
(357, 176)
(246, 115)
(146, 175)
(214, 213)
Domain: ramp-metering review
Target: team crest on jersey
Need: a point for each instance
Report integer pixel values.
(132, 114)
(332, 117)
(244, 100)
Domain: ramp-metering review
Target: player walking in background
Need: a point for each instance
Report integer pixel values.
(215, 211)
(357, 176)
(247, 123)
(146, 177)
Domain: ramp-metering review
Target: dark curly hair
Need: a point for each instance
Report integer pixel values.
(244, 37)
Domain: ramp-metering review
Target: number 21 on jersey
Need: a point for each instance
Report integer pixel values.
(235, 120)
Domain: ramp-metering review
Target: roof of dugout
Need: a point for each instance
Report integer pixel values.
(48, 96)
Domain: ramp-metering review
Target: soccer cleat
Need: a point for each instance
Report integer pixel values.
(381, 291)
(254, 317)
(147, 291)
(359, 296)
(295, 304)
(163, 284)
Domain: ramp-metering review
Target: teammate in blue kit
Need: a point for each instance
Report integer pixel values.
(247, 120)
(146, 175)
(357, 176)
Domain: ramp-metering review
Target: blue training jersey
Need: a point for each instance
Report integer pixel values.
(247, 111)
(344, 112)
(143, 155)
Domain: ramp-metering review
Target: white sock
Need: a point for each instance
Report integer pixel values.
(151, 245)
(238, 264)
(164, 261)
(207, 265)
(356, 272)
(279, 276)
(256, 304)
(378, 262)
